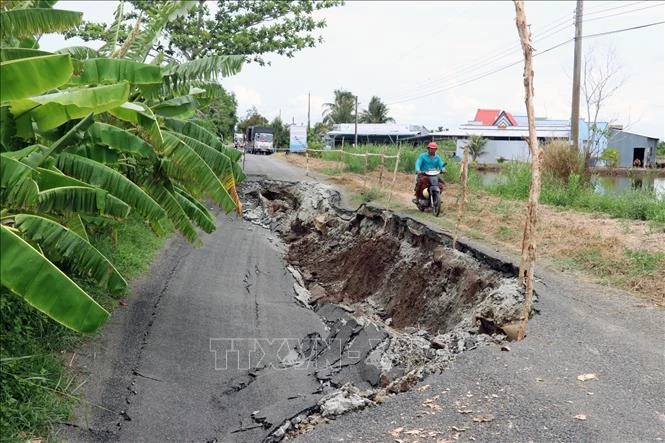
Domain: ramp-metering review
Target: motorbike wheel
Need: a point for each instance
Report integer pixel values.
(436, 204)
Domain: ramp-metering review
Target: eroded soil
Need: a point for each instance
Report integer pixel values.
(620, 253)
(398, 300)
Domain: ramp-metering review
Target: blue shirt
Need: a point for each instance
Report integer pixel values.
(426, 163)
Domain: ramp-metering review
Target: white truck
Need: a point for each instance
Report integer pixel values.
(259, 139)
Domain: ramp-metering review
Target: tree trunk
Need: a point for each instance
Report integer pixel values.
(464, 174)
(528, 258)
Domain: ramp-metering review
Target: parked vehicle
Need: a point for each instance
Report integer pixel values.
(431, 188)
(259, 139)
(238, 140)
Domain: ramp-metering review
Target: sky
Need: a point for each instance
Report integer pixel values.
(436, 62)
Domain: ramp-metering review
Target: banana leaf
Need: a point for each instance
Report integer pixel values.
(140, 115)
(7, 54)
(141, 46)
(182, 107)
(191, 129)
(49, 179)
(97, 174)
(101, 154)
(51, 110)
(21, 23)
(17, 188)
(73, 199)
(204, 69)
(32, 76)
(61, 244)
(196, 212)
(107, 70)
(192, 171)
(71, 137)
(75, 224)
(29, 274)
(79, 52)
(175, 212)
(218, 162)
(120, 140)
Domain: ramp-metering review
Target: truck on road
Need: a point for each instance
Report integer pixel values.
(259, 139)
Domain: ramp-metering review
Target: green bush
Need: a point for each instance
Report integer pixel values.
(35, 390)
(611, 157)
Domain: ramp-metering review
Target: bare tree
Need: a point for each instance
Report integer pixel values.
(528, 257)
(601, 78)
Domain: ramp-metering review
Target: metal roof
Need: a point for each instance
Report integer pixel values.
(510, 131)
(365, 129)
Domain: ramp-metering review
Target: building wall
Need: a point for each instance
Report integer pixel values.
(508, 149)
(625, 143)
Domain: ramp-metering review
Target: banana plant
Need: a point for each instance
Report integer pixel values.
(92, 135)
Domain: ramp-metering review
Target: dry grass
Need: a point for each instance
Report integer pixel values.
(626, 254)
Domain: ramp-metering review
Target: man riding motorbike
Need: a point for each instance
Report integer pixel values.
(427, 161)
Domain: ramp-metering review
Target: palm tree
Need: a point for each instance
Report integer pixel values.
(476, 146)
(376, 112)
(342, 110)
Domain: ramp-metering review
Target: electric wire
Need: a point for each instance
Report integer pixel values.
(502, 68)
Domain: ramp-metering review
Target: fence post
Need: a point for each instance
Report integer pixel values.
(383, 150)
(399, 151)
(306, 163)
(461, 202)
(365, 176)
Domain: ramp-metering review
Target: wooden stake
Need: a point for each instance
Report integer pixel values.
(528, 257)
(383, 150)
(306, 163)
(365, 175)
(461, 203)
(392, 185)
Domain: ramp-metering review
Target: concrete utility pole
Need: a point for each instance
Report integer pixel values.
(308, 108)
(356, 143)
(577, 68)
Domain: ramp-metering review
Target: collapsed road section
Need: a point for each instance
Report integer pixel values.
(398, 301)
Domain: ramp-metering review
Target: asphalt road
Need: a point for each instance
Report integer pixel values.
(157, 369)
(160, 370)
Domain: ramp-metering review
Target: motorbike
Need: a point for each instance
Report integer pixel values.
(429, 197)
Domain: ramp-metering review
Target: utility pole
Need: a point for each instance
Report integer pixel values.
(356, 144)
(308, 109)
(577, 68)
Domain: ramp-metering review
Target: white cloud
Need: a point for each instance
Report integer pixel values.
(246, 97)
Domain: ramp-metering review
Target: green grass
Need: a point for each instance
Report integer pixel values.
(407, 160)
(635, 204)
(36, 388)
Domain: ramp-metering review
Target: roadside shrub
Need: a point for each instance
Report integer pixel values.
(560, 160)
(516, 183)
(611, 157)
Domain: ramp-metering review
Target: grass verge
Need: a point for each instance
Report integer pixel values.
(37, 390)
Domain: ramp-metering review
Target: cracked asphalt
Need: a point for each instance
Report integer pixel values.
(157, 373)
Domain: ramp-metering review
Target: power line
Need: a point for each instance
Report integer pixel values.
(624, 12)
(468, 69)
(549, 31)
(588, 11)
(437, 91)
